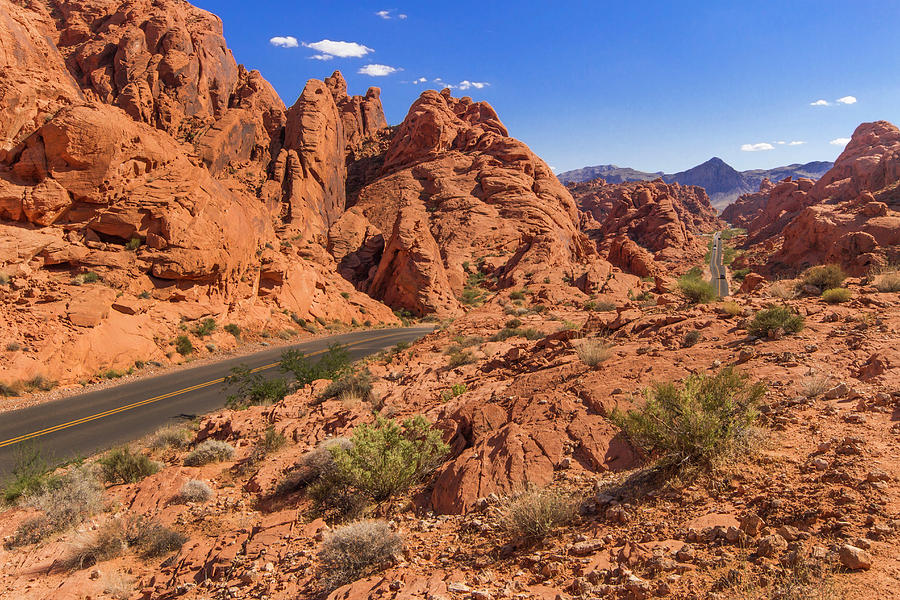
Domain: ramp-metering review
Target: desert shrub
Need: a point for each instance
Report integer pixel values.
(30, 474)
(233, 329)
(332, 365)
(732, 309)
(815, 386)
(205, 327)
(4, 279)
(739, 274)
(460, 357)
(690, 338)
(517, 295)
(533, 515)
(118, 586)
(696, 290)
(106, 543)
(593, 352)
(65, 501)
(317, 464)
(152, 539)
(357, 384)
(272, 440)
(195, 490)
(529, 333)
(773, 319)
(693, 422)
(386, 458)
(824, 277)
(888, 282)
(604, 306)
(133, 244)
(13, 347)
(123, 466)
(183, 345)
(837, 295)
(90, 277)
(353, 551)
(253, 389)
(782, 290)
(172, 436)
(38, 383)
(8, 390)
(513, 324)
(209, 451)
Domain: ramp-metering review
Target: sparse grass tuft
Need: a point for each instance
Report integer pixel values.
(353, 551)
(815, 386)
(172, 436)
(272, 441)
(888, 282)
(824, 277)
(694, 422)
(106, 543)
(460, 357)
(233, 329)
(593, 352)
(195, 490)
(358, 384)
(732, 309)
(782, 291)
(154, 539)
(535, 514)
(696, 290)
(775, 318)
(205, 327)
(209, 451)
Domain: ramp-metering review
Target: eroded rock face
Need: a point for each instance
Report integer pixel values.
(850, 216)
(461, 192)
(638, 224)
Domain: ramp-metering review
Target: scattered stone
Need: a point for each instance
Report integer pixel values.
(855, 558)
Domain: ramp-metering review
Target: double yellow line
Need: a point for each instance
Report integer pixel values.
(127, 407)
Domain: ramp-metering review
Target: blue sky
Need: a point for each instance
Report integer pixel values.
(650, 85)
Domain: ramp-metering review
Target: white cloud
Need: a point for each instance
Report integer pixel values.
(339, 49)
(466, 84)
(820, 103)
(780, 143)
(757, 147)
(321, 57)
(796, 143)
(378, 70)
(847, 100)
(840, 141)
(286, 41)
(420, 80)
(388, 14)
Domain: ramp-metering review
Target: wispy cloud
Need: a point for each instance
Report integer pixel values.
(339, 49)
(847, 100)
(388, 14)
(420, 80)
(757, 147)
(284, 41)
(840, 141)
(842, 100)
(820, 103)
(378, 70)
(796, 143)
(466, 84)
(321, 57)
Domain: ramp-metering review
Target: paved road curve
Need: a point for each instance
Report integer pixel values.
(717, 266)
(84, 424)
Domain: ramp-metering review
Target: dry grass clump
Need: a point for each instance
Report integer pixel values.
(118, 585)
(782, 290)
(356, 550)
(593, 352)
(154, 539)
(536, 513)
(209, 451)
(104, 544)
(888, 282)
(124, 466)
(732, 309)
(315, 464)
(195, 490)
(837, 295)
(172, 436)
(815, 386)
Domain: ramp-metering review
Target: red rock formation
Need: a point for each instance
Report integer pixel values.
(850, 216)
(461, 191)
(640, 223)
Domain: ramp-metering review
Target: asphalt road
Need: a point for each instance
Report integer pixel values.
(88, 423)
(717, 266)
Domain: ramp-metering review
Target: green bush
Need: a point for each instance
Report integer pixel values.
(696, 290)
(824, 277)
(513, 324)
(153, 539)
(739, 274)
(253, 389)
(30, 474)
(358, 384)
(691, 338)
(460, 357)
(133, 244)
(183, 345)
(888, 282)
(693, 422)
(209, 451)
(233, 329)
(356, 550)
(272, 440)
(386, 458)
(837, 295)
(333, 364)
(205, 327)
(773, 319)
(38, 383)
(123, 466)
(517, 295)
(533, 515)
(90, 277)
(504, 334)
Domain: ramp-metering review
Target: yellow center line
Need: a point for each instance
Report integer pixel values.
(140, 403)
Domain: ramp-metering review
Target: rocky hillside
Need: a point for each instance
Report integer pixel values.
(646, 228)
(851, 216)
(722, 183)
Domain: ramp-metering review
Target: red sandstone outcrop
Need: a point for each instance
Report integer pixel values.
(639, 224)
(462, 192)
(850, 216)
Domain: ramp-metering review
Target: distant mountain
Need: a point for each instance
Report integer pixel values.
(721, 181)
